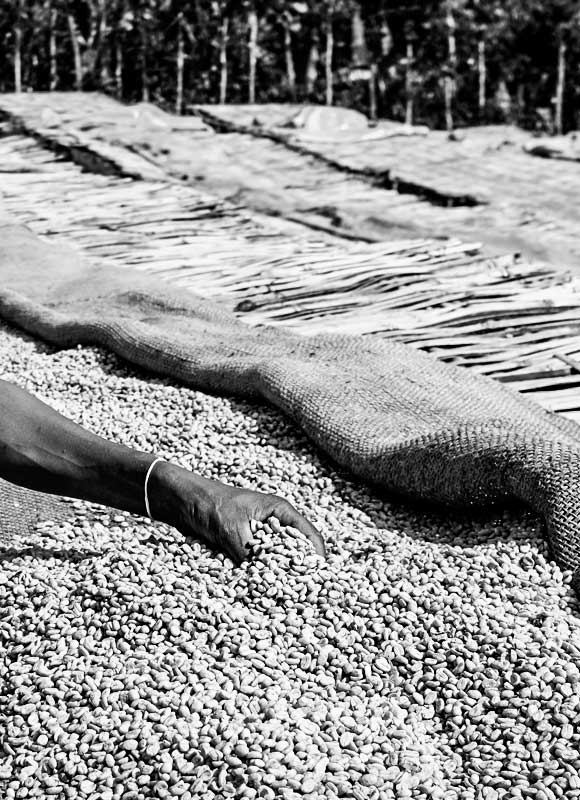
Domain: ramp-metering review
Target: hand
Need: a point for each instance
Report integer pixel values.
(219, 514)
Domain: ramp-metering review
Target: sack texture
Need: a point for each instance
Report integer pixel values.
(21, 509)
(392, 415)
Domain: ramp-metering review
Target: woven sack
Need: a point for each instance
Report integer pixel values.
(22, 509)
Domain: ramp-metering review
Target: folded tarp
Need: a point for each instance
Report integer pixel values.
(390, 414)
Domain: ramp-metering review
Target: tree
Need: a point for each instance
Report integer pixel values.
(253, 28)
(450, 86)
(561, 80)
(329, 52)
(89, 30)
(75, 38)
(313, 61)
(359, 49)
(565, 31)
(180, 59)
(144, 20)
(52, 18)
(222, 9)
(18, 36)
(481, 73)
(290, 15)
(444, 62)
(410, 38)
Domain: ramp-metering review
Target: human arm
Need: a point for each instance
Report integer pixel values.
(43, 450)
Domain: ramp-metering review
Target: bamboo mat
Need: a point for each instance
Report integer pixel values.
(485, 179)
(256, 172)
(273, 176)
(432, 162)
(513, 320)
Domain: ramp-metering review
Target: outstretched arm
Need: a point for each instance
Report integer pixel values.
(42, 450)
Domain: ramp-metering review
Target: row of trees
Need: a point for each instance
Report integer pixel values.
(442, 62)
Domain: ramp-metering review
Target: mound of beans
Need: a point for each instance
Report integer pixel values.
(432, 655)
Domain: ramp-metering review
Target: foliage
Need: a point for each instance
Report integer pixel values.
(128, 47)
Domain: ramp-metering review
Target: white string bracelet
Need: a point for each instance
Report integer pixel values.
(149, 471)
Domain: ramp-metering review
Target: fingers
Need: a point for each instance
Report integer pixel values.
(288, 515)
(234, 552)
(237, 546)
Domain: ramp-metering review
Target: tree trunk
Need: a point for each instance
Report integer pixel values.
(103, 52)
(328, 59)
(520, 100)
(359, 51)
(451, 39)
(289, 58)
(180, 65)
(144, 60)
(559, 123)
(452, 65)
(224, 60)
(409, 89)
(118, 66)
(482, 75)
(253, 52)
(373, 93)
(312, 66)
(18, 50)
(503, 101)
(74, 37)
(386, 40)
(52, 53)
(448, 89)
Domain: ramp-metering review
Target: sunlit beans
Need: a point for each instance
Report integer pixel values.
(430, 656)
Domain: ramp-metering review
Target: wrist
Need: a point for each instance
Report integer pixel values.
(176, 493)
(183, 499)
(163, 494)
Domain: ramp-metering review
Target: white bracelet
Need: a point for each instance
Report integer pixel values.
(149, 471)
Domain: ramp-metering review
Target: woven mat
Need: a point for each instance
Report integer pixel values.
(22, 509)
(389, 413)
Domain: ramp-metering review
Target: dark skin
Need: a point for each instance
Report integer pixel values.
(42, 450)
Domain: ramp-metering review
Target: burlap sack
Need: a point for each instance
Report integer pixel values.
(389, 413)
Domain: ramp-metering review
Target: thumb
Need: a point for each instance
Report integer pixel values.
(288, 515)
